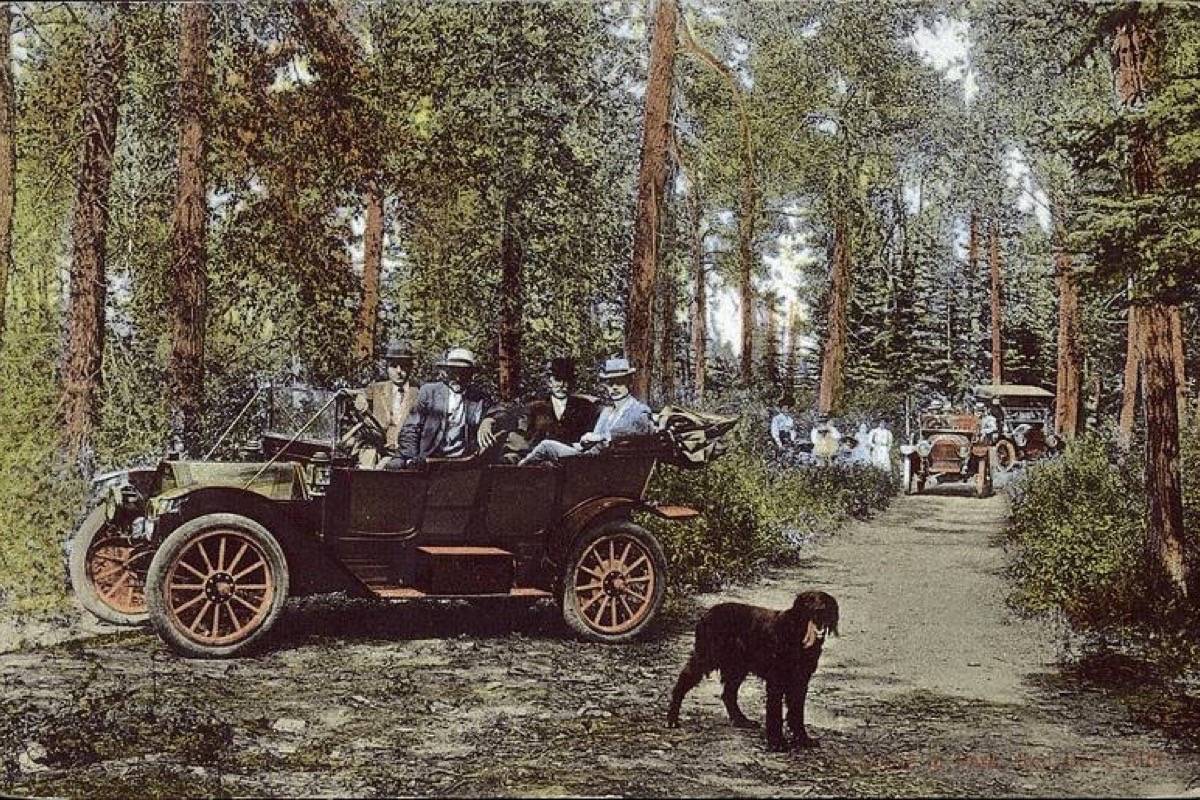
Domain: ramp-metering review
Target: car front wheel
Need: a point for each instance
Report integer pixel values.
(216, 586)
(108, 570)
(615, 581)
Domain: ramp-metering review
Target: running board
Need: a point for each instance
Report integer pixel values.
(409, 593)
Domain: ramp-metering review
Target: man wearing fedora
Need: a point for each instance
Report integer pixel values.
(389, 401)
(450, 418)
(558, 414)
(624, 415)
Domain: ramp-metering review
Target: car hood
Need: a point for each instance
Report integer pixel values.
(278, 481)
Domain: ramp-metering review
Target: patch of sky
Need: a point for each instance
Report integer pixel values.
(946, 46)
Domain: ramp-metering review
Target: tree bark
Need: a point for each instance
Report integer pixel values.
(666, 335)
(368, 312)
(833, 358)
(1166, 536)
(652, 180)
(997, 342)
(1135, 48)
(1129, 388)
(746, 211)
(771, 339)
(8, 156)
(1069, 377)
(189, 284)
(699, 307)
(84, 349)
(509, 341)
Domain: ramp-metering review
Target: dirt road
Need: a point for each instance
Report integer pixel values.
(933, 688)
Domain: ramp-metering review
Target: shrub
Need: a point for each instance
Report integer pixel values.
(755, 511)
(1077, 522)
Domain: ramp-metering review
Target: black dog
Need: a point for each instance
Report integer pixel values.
(781, 647)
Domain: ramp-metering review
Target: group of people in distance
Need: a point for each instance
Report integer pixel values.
(872, 446)
(450, 417)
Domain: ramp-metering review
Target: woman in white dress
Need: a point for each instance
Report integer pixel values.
(881, 447)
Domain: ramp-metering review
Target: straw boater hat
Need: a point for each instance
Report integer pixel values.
(457, 357)
(616, 368)
(399, 351)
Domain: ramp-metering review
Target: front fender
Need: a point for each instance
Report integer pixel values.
(606, 509)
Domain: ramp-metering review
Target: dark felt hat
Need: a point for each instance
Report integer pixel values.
(561, 368)
(399, 351)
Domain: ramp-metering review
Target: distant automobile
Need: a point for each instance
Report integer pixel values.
(210, 551)
(1026, 419)
(948, 449)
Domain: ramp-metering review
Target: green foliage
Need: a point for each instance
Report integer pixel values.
(1077, 527)
(39, 495)
(755, 511)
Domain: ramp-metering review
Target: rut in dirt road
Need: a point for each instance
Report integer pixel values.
(933, 688)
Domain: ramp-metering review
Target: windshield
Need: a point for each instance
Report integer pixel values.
(302, 410)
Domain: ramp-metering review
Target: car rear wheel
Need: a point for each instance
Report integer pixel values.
(108, 570)
(216, 586)
(983, 479)
(615, 582)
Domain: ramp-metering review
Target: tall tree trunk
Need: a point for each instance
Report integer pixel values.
(997, 342)
(509, 341)
(1129, 386)
(746, 212)
(699, 307)
(8, 156)
(1135, 49)
(1166, 536)
(652, 180)
(189, 284)
(771, 339)
(1069, 376)
(368, 312)
(666, 334)
(84, 348)
(1177, 356)
(833, 358)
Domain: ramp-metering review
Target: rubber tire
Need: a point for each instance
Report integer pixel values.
(81, 542)
(566, 596)
(160, 569)
(983, 479)
(1010, 449)
(908, 477)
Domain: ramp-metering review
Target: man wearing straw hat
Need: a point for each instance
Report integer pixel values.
(450, 418)
(624, 415)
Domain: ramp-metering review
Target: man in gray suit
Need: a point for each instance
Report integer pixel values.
(450, 418)
(623, 416)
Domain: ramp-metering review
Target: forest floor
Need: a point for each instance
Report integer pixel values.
(933, 688)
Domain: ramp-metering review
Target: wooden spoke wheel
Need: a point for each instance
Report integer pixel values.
(217, 584)
(1006, 455)
(614, 584)
(983, 479)
(108, 570)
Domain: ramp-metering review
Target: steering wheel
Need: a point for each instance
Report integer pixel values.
(365, 431)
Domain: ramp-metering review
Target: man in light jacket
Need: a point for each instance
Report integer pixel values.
(389, 401)
(623, 416)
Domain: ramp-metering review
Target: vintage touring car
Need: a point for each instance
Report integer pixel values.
(1026, 418)
(948, 450)
(210, 551)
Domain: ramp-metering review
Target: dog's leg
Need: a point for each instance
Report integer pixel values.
(733, 684)
(796, 698)
(688, 678)
(775, 741)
